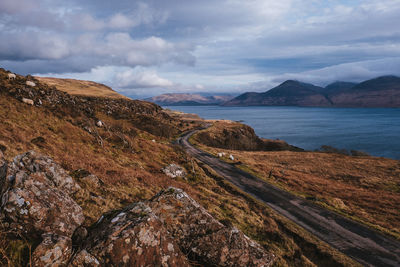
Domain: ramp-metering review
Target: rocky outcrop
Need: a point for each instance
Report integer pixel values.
(36, 202)
(238, 136)
(171, 229)
(174, 170)
(134, 236)
(202, 237)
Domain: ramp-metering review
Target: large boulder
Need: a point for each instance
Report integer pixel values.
(36, 198)
(201, 236)
(54, 250)
(171, 229)
(133, 236)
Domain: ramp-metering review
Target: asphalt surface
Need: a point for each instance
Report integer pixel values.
(363, 244)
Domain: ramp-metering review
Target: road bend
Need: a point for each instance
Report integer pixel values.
(363, 244)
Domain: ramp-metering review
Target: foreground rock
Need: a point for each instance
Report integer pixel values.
(36, 202)
(201, 236)
(171, 229)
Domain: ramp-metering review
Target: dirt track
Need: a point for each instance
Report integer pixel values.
(365, 245)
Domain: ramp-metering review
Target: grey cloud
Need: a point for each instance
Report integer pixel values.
(32, 45)
(229, 42)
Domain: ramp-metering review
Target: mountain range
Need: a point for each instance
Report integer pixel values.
(379, 92)
(188, 99)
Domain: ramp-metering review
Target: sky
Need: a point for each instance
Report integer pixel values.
(146, 48)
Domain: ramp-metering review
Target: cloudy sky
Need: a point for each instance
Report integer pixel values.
(145, 48)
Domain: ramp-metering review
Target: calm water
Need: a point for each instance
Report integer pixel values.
(373, 130)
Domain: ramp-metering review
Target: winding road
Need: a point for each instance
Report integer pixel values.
(363, 244)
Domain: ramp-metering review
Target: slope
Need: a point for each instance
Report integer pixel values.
(79, 87)
(124, 156)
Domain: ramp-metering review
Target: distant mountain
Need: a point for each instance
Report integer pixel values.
(289, 93)
(380, 92)
(338, 86)
(188, 99)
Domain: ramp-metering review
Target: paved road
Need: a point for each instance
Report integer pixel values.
(365, 245)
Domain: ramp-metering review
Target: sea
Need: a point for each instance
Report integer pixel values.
(372, 130)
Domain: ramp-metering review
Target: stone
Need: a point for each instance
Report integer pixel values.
(3, 174)
(30, 83)
(37, 197)
(99, 124)
(174, 170)
(231, 157)
(54, 250)
(133, 236)
(83, 258)
(202, 236)
(27, 101)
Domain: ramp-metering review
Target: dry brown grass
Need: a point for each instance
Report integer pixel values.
(364, 188)
(79, 87)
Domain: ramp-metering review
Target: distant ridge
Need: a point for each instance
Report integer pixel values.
(188, 99)
(82, 88)
(289, 93)
(379, 92)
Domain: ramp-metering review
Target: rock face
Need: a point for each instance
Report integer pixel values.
(37, 197)
(36, 201)
(134, 236)
(171, 229)
(201, 236)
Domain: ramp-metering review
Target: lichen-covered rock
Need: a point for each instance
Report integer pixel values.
(3, 174)
(54, 250)
(171, 229)
(37, 197)
(174, 171)
(83, 258)
(202, 237)
(133, 236)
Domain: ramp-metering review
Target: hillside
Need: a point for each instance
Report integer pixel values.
(289, 93)
(102, 162)
(188, 99)
(380, 92)
(79, 87)
(337, 86)
(361, 187)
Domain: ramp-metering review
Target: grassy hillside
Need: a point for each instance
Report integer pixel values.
(364, 188)
(127, 153)
(79, 87)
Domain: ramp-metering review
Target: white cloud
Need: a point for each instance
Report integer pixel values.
(121, 21)
(132, 79)
(353, 72)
